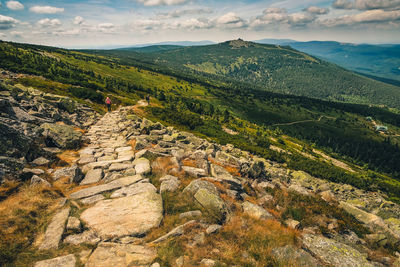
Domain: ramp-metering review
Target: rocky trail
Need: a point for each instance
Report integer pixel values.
(131, 162)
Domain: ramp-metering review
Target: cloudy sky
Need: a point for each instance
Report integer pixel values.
(98, 23)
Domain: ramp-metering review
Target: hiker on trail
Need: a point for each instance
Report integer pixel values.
(148, 99)
(108, 103)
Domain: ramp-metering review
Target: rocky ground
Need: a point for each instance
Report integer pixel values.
(138, 187)
(35, 126)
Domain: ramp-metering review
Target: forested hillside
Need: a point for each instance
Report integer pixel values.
(262, 121)
(266, 67)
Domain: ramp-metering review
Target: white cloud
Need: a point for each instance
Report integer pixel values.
(367, 4)
(106, 27)
(49, 22)
(14, 5)
(161, 2)
(370, 16)
(78, 20)
(7, 22)
(193, 24)
(231, 20)
(46, 9)
(16, 34)
(316, 10)
(184, 12)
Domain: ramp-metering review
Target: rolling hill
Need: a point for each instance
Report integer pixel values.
(268, 67)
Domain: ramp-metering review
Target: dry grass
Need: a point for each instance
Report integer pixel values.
(69, 156)
(8, 187)
(243, 241)
(22, 216)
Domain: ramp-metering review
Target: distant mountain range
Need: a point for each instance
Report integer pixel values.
(377, 60)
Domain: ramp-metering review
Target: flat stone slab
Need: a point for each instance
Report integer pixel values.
(256, 211)
(194, 172)
(64, 261)
(88, 237)
(54, 231)
(120, 166)
(142, 166)
(94, 190)
(123, 149)
(92, 199)
(134, 189)
(92, 176)
(121, 255)
(132, 215)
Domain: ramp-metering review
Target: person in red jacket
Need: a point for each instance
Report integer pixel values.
(108, 103)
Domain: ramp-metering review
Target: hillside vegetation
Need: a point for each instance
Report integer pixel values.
(205, 107)
(266, 67)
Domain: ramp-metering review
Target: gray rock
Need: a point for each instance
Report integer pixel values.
(87, 237)
(94, 190)
(142, 166)
(255, 211)
(194, 172)
(333, 253)
(115, 254)
(292, 255)
(169, 183)
(92, 176)
(134, 189)
(195, 185)
(74, 173)
(212, 203)
(61, 136)
(207, 262)
(222, 174)
(177, 231)
(190, 214)
(123, 149)
(73, 224)
(120, 166)
(92, 199)
(36, 180)
(213, 228)
(292, 224)
(55, 230)
(132, 215)
(28, 173)
(40, 161)
(141, 143)
(64, 261)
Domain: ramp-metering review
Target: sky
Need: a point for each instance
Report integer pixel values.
(106, 23)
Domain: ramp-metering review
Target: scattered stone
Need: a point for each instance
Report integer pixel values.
(73, 224)
(169, 183)
(93, 176)
(328, 196)
(123, 149)
(87, 237)
(36, 180)
(115, 254)
(214, 228)
(41, 161)
(132, 215)
(299, 189)
(333, 253)
(195, 185)
(84, 255)
(156, 264)
(212, 202)
(255, 211)
(64, 261)
(74, 173)
(179, 262)
(207, 262)
(194, 172)
(28, 173)
(142, 166)
(190, 214)
(292, 224)
(55, 230)
(85, 159)
(92, 199)
(177, 231)
(291, 255)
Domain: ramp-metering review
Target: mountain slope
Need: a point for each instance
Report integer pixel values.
(271, 68)
(377, 60)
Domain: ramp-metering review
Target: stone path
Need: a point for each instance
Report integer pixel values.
(122, 202)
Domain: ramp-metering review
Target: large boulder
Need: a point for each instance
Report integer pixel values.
(292, 255)
(333, 253)
(255, 211)
(131, 215)
(61, 136)
(65, 261)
